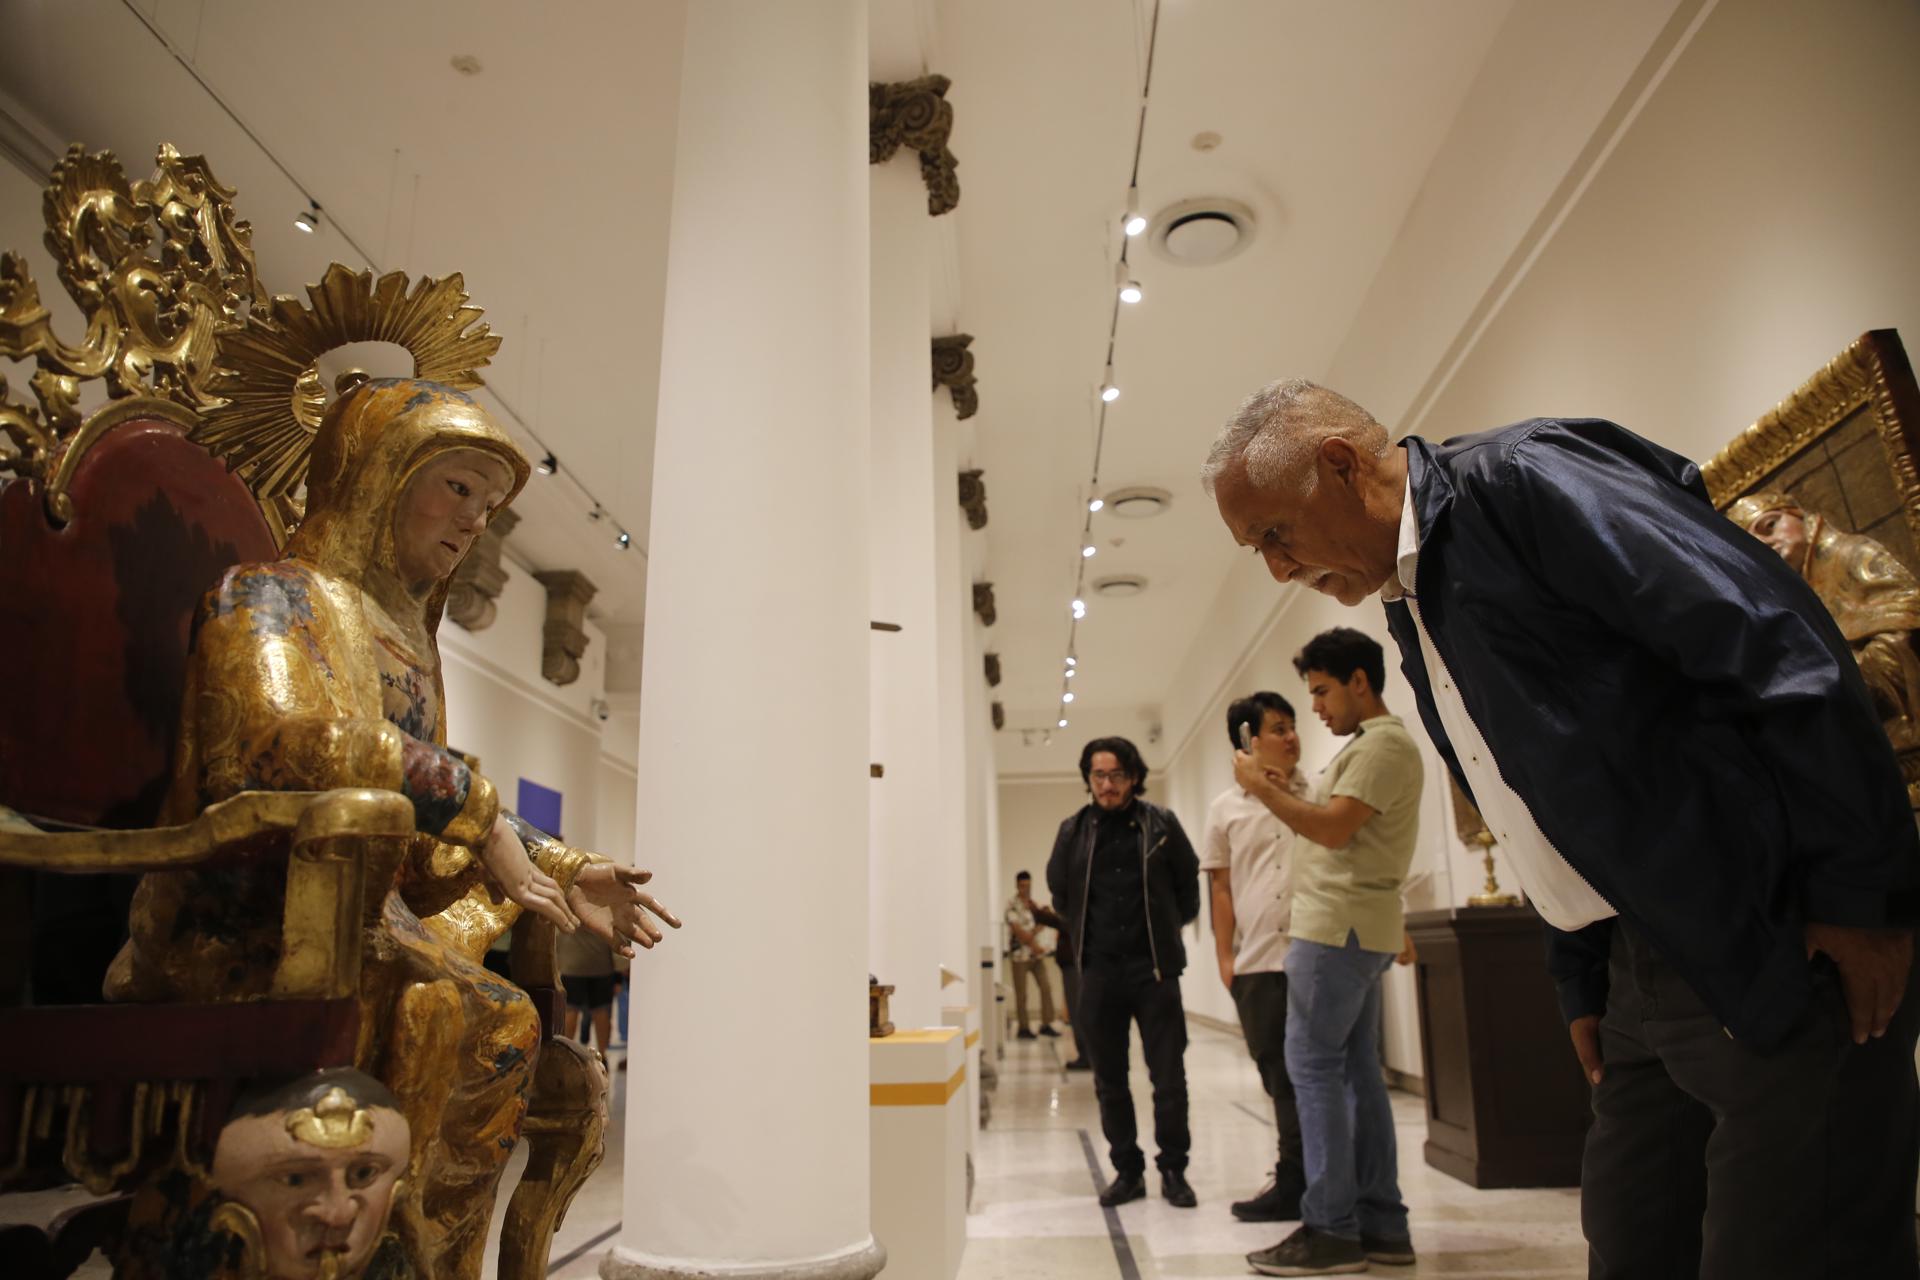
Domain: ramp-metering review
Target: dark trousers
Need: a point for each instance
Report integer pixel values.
(1711, 1159)
(1261, 999)
(1070, 992)
(1110, 1000)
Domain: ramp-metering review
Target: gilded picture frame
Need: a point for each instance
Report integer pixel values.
(1846, 443)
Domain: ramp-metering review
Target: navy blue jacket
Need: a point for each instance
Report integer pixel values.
(1669, 698)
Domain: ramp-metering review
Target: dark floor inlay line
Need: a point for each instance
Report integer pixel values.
(1265, 1120)
(1122, 1250)
(564, 1259)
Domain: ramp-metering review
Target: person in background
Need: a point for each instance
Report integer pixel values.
(1247, 854)
(1063, 956)
(1027, 957)
(586, 968)
(1357, 835)
(1125, 876)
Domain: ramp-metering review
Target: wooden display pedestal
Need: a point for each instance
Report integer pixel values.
(1506, 1105)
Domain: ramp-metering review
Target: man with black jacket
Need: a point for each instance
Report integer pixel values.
(1126, 879)
(1669, 736)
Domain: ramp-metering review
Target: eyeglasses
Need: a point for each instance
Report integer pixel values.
(1116, 777)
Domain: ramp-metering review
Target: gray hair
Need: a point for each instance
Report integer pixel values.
(1280, 427)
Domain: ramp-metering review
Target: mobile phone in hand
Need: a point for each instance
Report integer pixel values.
(1246, 736)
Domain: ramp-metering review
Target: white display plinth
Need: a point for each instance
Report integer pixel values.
(966, 1018)
(919, 1150)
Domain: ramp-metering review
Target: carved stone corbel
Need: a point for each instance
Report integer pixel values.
(973, 498)
(999, 716)
(983, 603)
(916, 114)
(953, 369)
(993, 670)
(564, 637)
(481, 576)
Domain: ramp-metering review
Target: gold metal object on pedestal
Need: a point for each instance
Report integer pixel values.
(878, 1024)
(1472, 829)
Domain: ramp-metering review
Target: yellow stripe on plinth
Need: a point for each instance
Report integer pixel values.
(973, 1038)
(932, 1094)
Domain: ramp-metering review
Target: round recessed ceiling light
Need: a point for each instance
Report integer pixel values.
(1120, 586)
(466, 64)
(1138, 503)
(1199, 233)
(1206, 140)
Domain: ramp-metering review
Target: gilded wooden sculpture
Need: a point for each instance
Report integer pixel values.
(1831, 480)
(323, 865)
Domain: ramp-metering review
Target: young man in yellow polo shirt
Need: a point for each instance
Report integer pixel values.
(1357, 835)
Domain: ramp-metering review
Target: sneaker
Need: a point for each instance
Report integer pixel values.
(1080, 1064)
(1278, 1201)
(1049, 1031)
(1125, 1187)
(1395, 1253)
(1024, 1034)
(1177, 1191)
(1310, 1253)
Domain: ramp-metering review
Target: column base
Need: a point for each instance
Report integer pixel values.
(863, 1261)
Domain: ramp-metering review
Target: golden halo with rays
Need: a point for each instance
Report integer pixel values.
(266, 371)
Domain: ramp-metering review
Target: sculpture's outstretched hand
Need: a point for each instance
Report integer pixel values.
(515, 876)
(607, 899)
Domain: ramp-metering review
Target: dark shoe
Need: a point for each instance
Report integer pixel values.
(1125, 1187)
(1310, 1253)
(1080, 1064)
(1278, 1201)
(1048, 1031)
(1024, 1034)
(1395, 1253)
(1176, 1189)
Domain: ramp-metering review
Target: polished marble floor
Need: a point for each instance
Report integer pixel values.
(1034, 1213)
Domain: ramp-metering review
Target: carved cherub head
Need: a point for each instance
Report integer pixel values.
(316, 1161)
(1777, 520)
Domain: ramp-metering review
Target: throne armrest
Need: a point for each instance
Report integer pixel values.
(222, 832)
(320, 952)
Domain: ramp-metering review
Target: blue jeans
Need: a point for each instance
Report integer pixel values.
(1346, 1121)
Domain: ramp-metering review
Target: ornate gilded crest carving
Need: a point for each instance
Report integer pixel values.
(953, 369)
(983, 603)
(159, 268)
(999, 716)
(973, 498)
(993, 670)
(916, 114)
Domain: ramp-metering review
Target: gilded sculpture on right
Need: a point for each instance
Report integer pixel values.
(1873, 597)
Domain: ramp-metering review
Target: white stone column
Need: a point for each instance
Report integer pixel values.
(747, 1151)
(954, 625)
(905, 487)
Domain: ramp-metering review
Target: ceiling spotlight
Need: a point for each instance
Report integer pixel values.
(1073, 662)
(1128, 286)
(1063, 724)
(308, 219)
(1095, 505)
(1087, 552)
(596, 513)
(1136, 222)
(1109, 389)
(1070, 673)
(1066, 697)
(625, 539)
(548, 465)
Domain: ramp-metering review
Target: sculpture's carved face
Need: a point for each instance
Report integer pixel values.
(1785, 530)
(321, 1189)
(445, 507)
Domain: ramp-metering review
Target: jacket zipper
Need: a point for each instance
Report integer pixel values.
(1413, 607)
(1146, 898)
(1086, 893)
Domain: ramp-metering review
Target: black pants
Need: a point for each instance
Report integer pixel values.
(1711, 1159)
(1261, 999)
(1112, 998)
(1070, 993)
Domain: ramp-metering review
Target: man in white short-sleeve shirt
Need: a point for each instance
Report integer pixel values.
(1247, 855)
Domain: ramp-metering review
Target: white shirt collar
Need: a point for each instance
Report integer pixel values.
(1401, 584)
